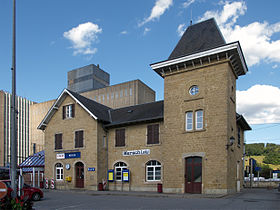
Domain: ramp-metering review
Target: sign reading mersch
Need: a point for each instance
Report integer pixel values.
(136, 152)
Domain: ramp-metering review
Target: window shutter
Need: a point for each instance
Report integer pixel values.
(120, 137)
(81, 137)
(55, 141)
(76, 139)
(156, 134)
(63, 112)
(150, 134)
(73, 110)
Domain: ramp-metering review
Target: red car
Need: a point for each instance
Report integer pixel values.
(32, 192)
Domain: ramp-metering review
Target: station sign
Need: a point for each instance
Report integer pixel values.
(68, 155)
(136, 152)
(91, 169)
(125, 175)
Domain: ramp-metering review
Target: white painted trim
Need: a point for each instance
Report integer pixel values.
(202, 54)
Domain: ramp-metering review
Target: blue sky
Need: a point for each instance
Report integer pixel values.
(125, 36)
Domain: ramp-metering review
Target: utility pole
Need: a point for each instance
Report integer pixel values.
(13, 165)
(251, 170)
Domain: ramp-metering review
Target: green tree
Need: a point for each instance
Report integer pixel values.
(272, 158)
(254, 149)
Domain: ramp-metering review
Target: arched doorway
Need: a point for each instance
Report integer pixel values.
(193, 174)
(79, 170)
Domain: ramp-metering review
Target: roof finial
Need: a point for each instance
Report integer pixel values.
(191, 17)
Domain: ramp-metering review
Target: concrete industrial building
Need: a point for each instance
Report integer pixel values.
(87, 78)
(23, 129)
(192, 142)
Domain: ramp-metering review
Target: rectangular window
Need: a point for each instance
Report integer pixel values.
(103, 97)
(130, 91)
(153, 134)
(120, 137)
(79, 139)
(99, 98)
(189, 121)
(117, 95)
(68, 111)
(199, 120)
(125, 92)
(121, 93)
(58, 141)
(108, 96)
(112, 96)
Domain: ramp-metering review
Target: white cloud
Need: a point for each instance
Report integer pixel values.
(82, 38)
(124, 32)
(146, 30)
(188, 3)
(259, 104)
(159, 8)
(181, 29)
(275, 66)
(255, 38)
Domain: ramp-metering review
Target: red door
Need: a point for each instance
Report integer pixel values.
(79, 174)
(193, 175)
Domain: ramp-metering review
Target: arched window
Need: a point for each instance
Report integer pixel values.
(59, 171)
(153, 170)
(119, 167)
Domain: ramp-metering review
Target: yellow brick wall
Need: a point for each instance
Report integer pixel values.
(81, 121)
(135, 139)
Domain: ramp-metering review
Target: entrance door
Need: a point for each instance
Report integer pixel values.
(79, 168)
(193, 175)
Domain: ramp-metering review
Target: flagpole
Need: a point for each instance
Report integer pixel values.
(13, 165)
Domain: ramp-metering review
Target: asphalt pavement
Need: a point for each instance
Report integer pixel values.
(85, 199)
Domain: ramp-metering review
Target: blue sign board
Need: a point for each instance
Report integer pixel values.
(72, 155)
(258, 168)
(91, 169)
(125, 175)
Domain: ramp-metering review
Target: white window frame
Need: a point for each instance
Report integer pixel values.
(119, 167)
(199, 119)
(189, 120)
(68, 111)
(59, 171)
(153, 167)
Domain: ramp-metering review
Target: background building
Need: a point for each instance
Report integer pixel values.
(23, 129)
(87, 78)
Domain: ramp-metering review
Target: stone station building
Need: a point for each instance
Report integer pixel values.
(192, 142)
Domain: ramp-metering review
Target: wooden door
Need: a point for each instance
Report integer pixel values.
(79, 167)
(193, 174)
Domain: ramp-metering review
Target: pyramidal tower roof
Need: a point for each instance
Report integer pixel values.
(201, 44)
(197, 38)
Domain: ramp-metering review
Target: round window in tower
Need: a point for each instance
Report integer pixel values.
(194, 90)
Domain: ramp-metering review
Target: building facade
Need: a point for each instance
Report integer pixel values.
(114, 96)
(192, 142)
(23, 128)
(87, 78)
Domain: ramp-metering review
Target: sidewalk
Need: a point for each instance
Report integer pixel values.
(142, 194)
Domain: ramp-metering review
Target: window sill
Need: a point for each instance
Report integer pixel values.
(195, 131)
(153, 182)
(58, 150)
(150, 145)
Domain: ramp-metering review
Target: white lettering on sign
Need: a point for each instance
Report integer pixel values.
(137, 152)
(3, 190)
(60, 156)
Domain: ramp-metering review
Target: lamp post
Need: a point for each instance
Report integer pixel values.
(13, 165)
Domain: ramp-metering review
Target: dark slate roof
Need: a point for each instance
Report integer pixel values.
(197, 38)
(99, 110)
(36, 160)
(135, 114)
(242, 122)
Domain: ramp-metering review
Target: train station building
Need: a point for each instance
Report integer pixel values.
(191, 142)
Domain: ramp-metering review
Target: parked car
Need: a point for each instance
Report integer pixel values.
(33, 193)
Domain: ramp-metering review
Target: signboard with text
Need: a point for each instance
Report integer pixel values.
(136, 152)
